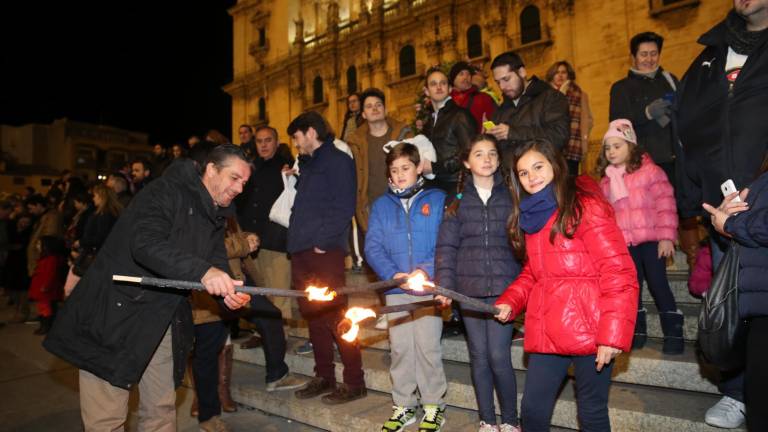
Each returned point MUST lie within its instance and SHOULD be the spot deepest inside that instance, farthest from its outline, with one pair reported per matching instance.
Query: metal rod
(374, 286)
(473, 303)
(188, 285)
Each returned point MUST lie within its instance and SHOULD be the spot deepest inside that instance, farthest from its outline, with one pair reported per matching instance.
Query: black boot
(641, 330)
(45, 325)
(672, 326)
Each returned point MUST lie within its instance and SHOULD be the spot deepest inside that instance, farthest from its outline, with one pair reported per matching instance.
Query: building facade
(34, 154)
(296, 55)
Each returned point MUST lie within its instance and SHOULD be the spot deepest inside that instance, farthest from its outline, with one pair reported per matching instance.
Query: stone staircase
(650, 392)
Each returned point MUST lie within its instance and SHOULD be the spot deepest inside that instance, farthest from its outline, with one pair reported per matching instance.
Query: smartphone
(728, 187)
(488, 125)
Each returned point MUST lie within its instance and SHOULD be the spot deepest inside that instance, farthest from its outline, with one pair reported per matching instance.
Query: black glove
(658, 109)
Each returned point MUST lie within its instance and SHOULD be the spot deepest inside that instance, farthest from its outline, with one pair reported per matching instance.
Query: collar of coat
(184, 175)
(532, 91)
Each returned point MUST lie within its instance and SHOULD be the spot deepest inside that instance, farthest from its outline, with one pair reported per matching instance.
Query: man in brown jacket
(366, 144)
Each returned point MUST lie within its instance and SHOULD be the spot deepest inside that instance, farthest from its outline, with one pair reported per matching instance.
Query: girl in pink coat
(644, 201)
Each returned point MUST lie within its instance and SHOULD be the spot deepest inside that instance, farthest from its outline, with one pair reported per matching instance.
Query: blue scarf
(536, 209)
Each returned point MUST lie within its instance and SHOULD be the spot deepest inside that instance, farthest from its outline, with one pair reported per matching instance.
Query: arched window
(407, 61)
(317, 90)
(351, 80)
(474, 41)
(530, 25)
(262, 109)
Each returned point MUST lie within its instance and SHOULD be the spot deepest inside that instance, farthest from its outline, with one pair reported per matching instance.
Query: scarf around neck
(738, 37)
(409, 191)
(536, 209)
(618, 187)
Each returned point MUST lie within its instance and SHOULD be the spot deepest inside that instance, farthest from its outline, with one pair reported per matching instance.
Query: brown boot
(689, 240)
(225, 377)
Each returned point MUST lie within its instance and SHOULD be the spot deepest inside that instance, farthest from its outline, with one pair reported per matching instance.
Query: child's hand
(443, 300)
(666, 248)
(400, 276)
(605, 354)
(505, 311)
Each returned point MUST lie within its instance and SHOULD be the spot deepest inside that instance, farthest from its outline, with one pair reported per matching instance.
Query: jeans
(654, 270)
(490, 361)
(209, 341)
(269, 324)
(546, 373)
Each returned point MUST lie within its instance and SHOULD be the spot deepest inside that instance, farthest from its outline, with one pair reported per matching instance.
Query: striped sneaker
(401, 417)
(433, 419)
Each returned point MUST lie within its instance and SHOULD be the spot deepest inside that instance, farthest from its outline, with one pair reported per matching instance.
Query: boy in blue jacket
(402, 233)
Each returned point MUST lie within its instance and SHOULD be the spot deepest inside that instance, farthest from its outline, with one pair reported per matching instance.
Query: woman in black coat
(747, 223)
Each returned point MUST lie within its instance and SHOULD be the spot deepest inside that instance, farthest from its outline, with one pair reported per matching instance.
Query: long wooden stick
(374, 286)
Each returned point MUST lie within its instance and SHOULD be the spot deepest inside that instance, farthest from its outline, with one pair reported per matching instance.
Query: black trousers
(756, 375)
(209, 341)
(269, 324)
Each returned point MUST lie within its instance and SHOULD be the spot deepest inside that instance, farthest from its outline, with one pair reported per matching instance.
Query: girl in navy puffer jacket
(402, 232)
(474, 257)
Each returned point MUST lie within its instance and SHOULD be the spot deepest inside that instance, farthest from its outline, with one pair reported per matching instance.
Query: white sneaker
(485, 427)
(382, 323)
(728, 413)
(506, 427)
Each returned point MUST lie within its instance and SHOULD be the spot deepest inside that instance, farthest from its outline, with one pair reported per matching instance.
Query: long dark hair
(569, 208)
(465, 173)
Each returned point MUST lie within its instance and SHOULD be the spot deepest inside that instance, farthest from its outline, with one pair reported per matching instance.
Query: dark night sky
(156, 67)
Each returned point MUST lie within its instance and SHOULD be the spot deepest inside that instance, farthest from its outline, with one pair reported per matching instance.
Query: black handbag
(721, 330)
(84, 260)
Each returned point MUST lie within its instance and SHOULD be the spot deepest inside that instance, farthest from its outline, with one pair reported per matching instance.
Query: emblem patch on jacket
(191, 212)
(425, 210)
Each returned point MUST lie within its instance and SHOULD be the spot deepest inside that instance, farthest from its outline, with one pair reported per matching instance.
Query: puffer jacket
(578, 293)
(649, 212)
(397, 242)
(750, 230)
(473, 252)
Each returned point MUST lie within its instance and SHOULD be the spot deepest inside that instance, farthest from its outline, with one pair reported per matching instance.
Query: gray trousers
(417, 361)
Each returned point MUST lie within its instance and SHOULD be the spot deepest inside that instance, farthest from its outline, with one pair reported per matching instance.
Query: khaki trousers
(275, 271)
(104, 407)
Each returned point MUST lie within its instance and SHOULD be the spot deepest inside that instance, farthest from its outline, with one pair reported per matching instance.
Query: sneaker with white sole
(506, 427)
(728, 413)
(401, 417)
(433, 420)
(382, 323)
(305, 348)
(485, 427)
(287, 382)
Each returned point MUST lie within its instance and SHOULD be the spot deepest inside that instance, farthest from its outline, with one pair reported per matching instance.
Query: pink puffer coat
(649, 212)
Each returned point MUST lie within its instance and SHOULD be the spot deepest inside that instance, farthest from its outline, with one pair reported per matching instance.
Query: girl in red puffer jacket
(644, 201)
(578, 286)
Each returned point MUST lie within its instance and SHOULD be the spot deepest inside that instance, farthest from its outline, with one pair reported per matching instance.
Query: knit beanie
(621, 128)
(457, 68)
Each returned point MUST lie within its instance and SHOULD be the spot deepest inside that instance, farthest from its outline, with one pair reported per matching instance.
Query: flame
(320, 294)
(418, 282)
(355, 315)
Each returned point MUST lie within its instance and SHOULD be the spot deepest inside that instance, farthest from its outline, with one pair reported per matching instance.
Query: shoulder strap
(403, 132)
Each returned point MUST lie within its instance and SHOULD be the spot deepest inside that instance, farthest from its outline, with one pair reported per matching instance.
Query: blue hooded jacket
(397, 242)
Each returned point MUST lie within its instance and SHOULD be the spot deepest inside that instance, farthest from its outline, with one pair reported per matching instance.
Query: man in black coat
(119, 334)
(531, 110)
(645, 98)
(722, 107)
(253, 208)
(450, 129)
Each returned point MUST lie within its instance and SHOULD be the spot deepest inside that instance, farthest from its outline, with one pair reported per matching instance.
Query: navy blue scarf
(536, 209)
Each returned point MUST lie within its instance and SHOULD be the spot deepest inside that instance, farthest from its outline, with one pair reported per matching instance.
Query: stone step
(679, 286)
(363, 415)
(632, 407)
(647, 366)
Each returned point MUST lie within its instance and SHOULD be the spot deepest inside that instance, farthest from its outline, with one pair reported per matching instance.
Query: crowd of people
(483, 197)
